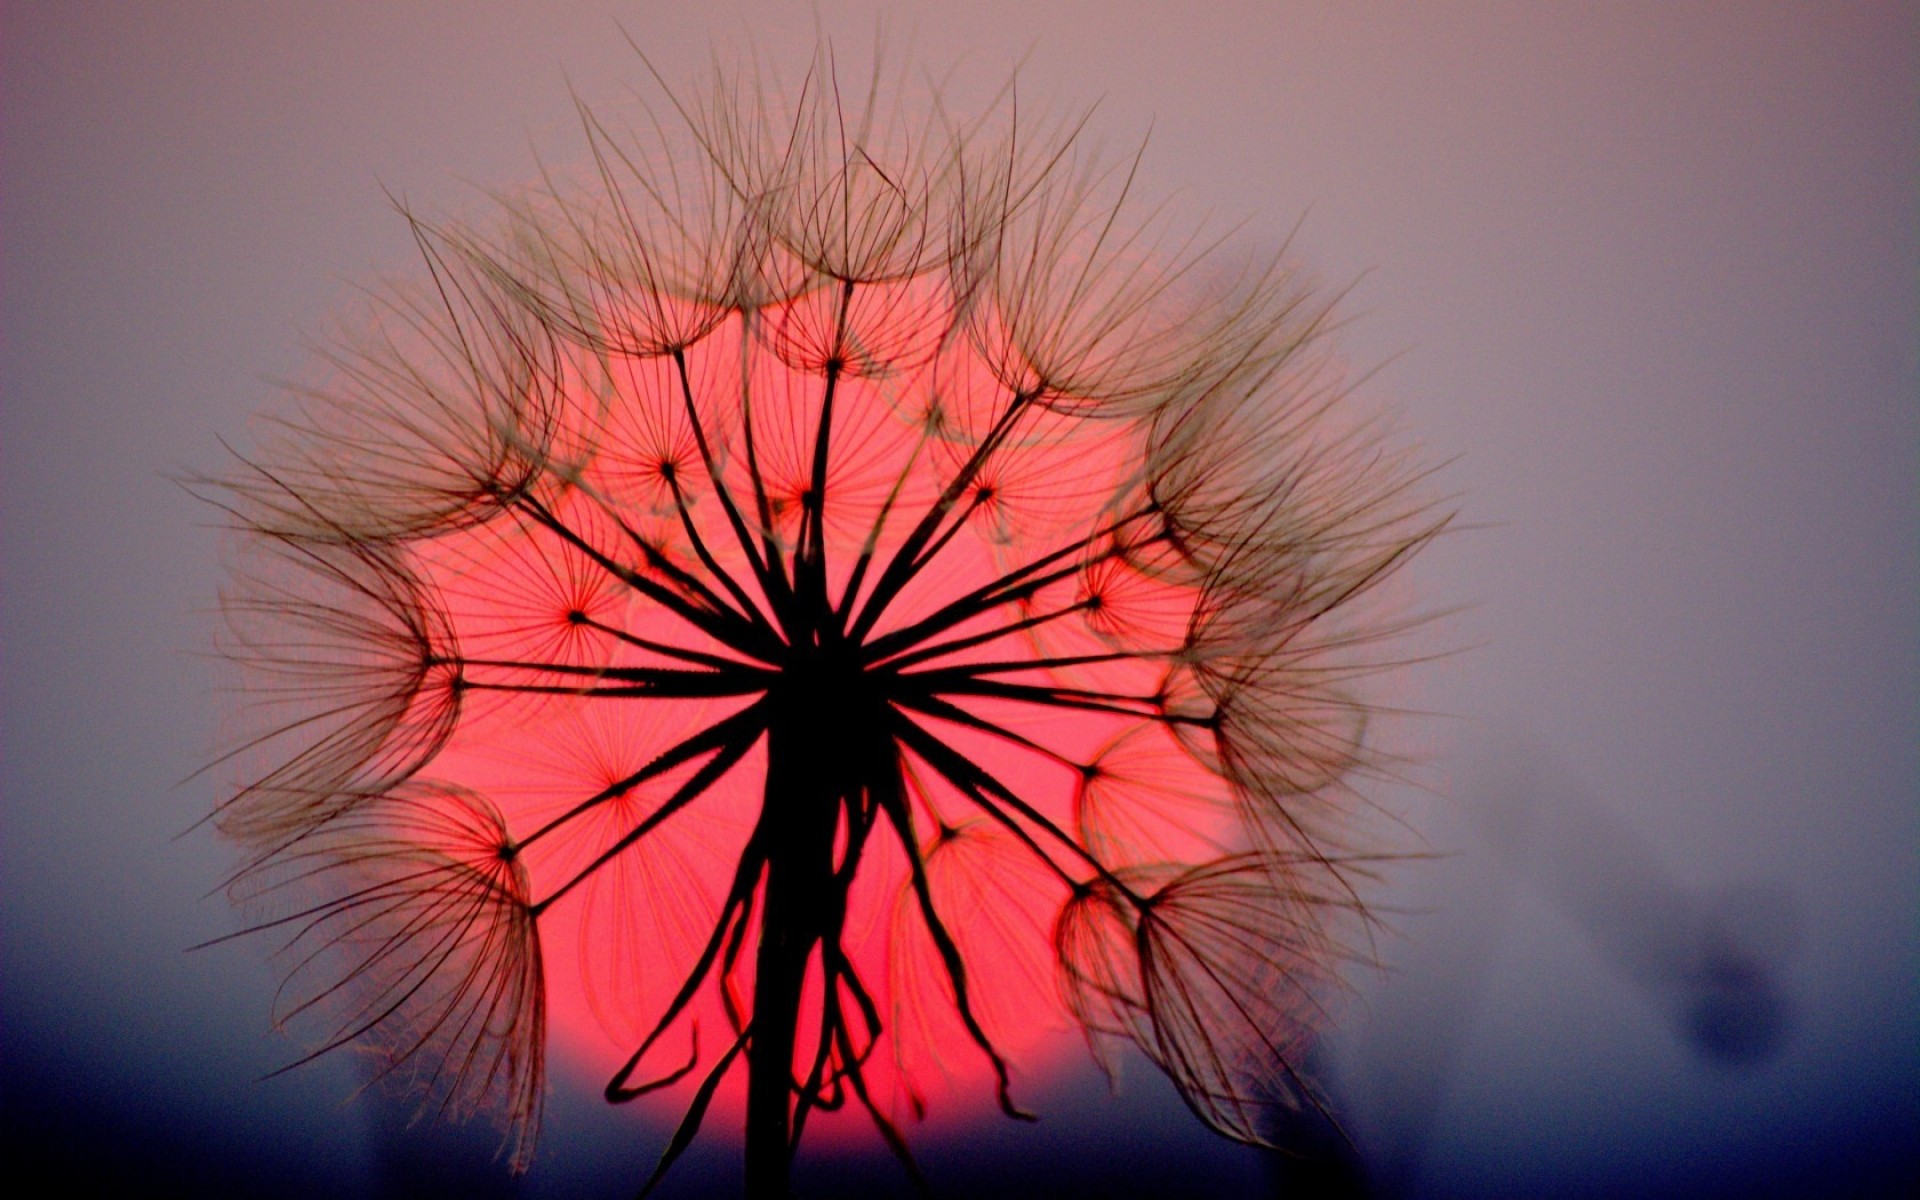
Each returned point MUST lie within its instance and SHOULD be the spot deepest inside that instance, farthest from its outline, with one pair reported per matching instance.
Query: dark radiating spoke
(940, 649)
(734, 915)
(689, 1127)
(811, 553)
(926, 680)
(682, 578)
(934, 706)
(810, 1092)
(892, 800)
(669, 650)
(1008, 588)
(889, 1132)
(823, 1087)
(712, 618)
(744, 606)
(999, 802)
(962, 683)
(955, 522)
(762, 509)
(733, 679)
(616, 692)
(899, 570)
(773, 588)
(748, 723)
(850, 594)
(722, 762)
(698, 595)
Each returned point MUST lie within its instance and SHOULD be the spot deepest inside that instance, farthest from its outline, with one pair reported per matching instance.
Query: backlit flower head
(820, 594)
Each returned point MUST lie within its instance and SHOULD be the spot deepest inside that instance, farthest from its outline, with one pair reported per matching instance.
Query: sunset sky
(1645, 278)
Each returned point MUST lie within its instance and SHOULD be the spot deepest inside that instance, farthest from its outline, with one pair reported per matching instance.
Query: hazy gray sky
(1644, 275)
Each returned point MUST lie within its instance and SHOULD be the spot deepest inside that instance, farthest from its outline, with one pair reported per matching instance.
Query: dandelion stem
(813, 771)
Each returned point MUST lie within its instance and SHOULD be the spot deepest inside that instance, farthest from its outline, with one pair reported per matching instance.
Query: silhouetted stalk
(801, 812)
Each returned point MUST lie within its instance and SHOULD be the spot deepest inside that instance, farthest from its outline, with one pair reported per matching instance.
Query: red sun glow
(526, 598)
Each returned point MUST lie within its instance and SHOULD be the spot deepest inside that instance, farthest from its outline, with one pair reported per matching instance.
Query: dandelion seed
(831, 588)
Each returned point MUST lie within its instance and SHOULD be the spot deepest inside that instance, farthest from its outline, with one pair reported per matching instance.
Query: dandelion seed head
(828, 593)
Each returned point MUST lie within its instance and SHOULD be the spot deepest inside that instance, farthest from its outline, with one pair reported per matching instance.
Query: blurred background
(1644, 275)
